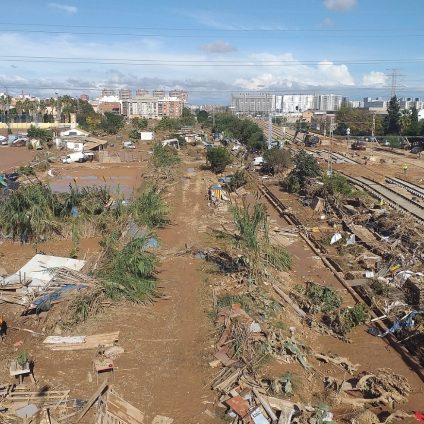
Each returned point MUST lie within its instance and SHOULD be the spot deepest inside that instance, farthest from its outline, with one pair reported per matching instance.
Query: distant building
(294, 103)
(142, 92)
(124, 94)
(106, 92)
(112, 107)
(357, 104)
(179, 94)
(84, 97)
(152, 107)
(375, 105)
(328, 102)
(109, 104)
(170, 106)
(410, 102)
(253, 103)
(159, 93)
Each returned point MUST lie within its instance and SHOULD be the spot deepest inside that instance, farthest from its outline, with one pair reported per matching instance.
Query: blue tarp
(408, 321)
(43, 303)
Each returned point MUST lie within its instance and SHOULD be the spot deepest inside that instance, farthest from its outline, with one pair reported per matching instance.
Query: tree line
(397, 122)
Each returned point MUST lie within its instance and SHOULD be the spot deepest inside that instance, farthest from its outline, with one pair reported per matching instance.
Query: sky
(348, 47)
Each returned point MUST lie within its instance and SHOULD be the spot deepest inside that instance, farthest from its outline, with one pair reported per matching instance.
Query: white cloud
(374, 79)
(218, 47)
(204, 81)
(340, 5)
(327, 23)
(294, 74)
(70, 10)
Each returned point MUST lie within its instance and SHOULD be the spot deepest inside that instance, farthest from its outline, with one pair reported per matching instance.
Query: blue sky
(212, 48)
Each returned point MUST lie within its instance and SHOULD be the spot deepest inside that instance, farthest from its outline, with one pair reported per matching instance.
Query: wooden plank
(93, 398)
(91, 342)
(357, 282)
(123, 410)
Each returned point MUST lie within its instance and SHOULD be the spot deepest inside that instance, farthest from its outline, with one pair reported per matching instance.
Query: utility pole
(394, 75)
(270, 131)
(373, 134)
(330, 152)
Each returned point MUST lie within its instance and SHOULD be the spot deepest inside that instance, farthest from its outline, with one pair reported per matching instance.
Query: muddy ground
(169, 343)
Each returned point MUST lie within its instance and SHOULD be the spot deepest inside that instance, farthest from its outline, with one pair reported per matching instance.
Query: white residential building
(294, 103)
(328, 102)
(253, 103)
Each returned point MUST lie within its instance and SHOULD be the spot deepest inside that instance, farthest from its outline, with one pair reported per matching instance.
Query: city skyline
(345, 47)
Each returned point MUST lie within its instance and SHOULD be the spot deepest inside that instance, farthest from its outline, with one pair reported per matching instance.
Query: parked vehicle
(417, 149)
(311, 140)
(78, 157)
(128, 145)
(359, 145)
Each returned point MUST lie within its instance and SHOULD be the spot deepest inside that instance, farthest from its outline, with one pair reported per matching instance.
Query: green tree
(306, 166)
(133, 134)
(202, 117)
(358, 120)
(404, 120)
(139, 123)
(111, 123)
(276, 160)
(40, 134)
(414, 126)
(187, 118)
(218, 159)
(392, 120)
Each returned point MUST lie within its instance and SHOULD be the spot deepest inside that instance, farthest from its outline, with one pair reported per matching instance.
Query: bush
(323, 298)
(164, 157)
(337, 184)
(291, 184)
(276, 160)
(348, 318)
(238, 180)
(218, 158)
(150, 209)
(133, 134)
(130, 272)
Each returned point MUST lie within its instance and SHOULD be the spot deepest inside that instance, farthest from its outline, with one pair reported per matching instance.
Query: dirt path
(164, 368)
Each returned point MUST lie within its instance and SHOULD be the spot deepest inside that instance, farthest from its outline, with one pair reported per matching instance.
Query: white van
(78, 157)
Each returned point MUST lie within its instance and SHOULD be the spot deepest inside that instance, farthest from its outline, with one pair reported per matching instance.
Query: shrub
(348, 318)
(336, 184)
(238, 180)
(291, 184)
(322, 298)
(164, 156)
(150, 209)
(276, 160)
(218, 158)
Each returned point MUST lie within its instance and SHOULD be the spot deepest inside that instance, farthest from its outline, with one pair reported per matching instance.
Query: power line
(160, 62)
(128, 34)
(185, 29)
(208, 91)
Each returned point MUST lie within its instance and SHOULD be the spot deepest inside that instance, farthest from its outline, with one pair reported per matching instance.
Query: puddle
(117, 185)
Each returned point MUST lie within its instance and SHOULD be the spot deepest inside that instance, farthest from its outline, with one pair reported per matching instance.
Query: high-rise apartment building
(253, 103)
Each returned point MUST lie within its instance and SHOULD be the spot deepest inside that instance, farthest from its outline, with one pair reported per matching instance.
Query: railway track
(391, 197)
(395, 200)
(412, 188)
(357, 294)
